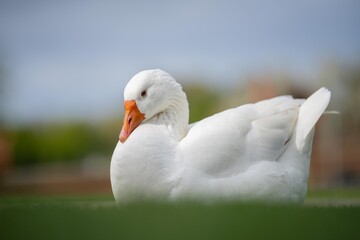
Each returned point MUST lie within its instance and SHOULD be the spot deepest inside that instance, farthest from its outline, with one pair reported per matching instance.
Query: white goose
(256, 151)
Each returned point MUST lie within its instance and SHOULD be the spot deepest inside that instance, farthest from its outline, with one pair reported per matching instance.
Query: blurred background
(64, 65)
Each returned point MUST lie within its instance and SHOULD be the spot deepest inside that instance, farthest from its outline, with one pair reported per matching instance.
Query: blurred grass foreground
(98, 218)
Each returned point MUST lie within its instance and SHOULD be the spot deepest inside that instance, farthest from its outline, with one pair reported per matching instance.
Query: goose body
(257, 151)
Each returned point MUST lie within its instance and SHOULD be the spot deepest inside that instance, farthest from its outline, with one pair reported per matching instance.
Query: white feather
(309, 114)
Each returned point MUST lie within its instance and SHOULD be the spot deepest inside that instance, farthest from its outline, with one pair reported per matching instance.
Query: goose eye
(143, 93)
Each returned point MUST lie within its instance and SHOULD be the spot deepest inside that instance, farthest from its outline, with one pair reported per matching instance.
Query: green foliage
(65, 142)
(202, 101)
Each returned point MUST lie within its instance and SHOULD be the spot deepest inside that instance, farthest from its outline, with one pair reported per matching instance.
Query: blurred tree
(60, 143)
(202, 101)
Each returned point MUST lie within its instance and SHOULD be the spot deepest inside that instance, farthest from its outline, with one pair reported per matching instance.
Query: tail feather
(309, 113)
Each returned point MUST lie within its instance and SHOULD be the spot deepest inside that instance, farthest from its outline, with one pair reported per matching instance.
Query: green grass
(97, 217)
(337, 193)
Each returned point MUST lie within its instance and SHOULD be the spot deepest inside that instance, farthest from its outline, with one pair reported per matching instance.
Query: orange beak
(132, 119)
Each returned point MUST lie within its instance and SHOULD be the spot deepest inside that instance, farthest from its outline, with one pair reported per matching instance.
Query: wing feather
(227, 143)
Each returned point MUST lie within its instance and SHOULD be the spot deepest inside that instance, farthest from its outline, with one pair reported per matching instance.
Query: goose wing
(229, 142)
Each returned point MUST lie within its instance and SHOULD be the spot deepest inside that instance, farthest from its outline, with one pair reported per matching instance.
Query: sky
(72, 59)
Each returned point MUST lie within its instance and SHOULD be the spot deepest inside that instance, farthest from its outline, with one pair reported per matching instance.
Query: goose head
(154, 96)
